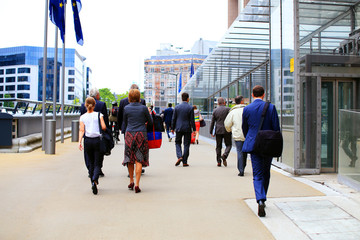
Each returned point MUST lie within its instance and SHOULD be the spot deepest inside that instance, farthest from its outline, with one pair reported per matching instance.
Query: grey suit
(217, 120)
(183, 123)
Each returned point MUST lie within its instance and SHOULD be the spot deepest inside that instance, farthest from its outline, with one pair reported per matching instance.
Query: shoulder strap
(263, 114)
(100, 130)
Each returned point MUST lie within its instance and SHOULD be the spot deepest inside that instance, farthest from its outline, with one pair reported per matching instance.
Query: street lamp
(174, 74)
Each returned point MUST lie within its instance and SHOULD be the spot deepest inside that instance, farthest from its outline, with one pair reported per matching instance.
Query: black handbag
(202, 123)
(158, 124)
(106, 140)
(268, 143)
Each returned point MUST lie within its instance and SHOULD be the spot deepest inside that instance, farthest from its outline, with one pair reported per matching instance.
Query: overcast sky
(118, 34)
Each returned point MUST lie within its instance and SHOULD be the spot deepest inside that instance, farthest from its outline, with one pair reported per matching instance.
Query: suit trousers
(178, 140)
(261, 175)
(92, 149)
(228, 144)
(168, 129)
(241, 157)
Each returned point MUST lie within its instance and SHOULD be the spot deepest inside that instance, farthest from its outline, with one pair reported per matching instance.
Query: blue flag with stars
(180, 83)
(192, 68)
(76, 6)
(56, 14)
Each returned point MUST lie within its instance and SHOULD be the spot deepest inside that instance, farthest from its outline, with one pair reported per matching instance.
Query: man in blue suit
(261, 165)
(183, 123)
(168, 113)
(99, 107)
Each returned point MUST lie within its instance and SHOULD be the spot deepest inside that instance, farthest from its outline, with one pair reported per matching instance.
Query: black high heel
(94, 188)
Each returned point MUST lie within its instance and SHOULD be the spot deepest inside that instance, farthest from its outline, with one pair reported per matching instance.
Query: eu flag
(76, 6)
(56, 9)
(180, 83)
(192, 68)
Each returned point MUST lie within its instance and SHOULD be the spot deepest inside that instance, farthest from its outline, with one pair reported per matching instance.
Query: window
(1, 71)
(71, 97)
(1, 88)
(10, 71)
(23, 79)
(1, 80)
(288, 98)
(71, 89)
(162, 92)
(10, 88)
(288, 90)
(71, 80)
(23, 95)
(23, 70)
(289, 81)
(162, 84)
(71, 72)
(23, 87)
(10, 79)
(1, 95)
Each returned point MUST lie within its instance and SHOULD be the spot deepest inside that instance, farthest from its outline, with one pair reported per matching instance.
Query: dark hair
(258, 91)
(90, 103)
(134, 95)
(170, 105)
(238, 99)
(195, 107)
(184, 96)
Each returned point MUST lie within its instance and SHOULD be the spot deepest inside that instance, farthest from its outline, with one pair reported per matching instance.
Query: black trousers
(228, 144)
(178, 140)
(87, 158)
(92, 150)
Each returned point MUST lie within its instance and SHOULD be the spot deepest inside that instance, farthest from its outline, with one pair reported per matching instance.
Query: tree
(106, 96)
(8, 103)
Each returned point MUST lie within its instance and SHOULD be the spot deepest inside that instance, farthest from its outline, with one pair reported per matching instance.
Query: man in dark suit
(183, 123)
(250, 124)
(218, 117)
(168, 113)
(99, 107)
(123, 103)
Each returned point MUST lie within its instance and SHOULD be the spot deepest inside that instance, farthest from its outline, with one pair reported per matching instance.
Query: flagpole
(44, 74)
(55, 74)
(63, 80)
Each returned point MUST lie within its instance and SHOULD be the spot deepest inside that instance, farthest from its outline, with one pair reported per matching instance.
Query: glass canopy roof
(243, 48)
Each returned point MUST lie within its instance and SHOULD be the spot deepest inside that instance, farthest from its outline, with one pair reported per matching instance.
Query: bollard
(50, 136)
(75, 130)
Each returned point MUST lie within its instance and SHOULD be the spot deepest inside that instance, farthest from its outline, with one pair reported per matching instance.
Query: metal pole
(63, 82)
(176, 83)
(44, 74)
(55, 73)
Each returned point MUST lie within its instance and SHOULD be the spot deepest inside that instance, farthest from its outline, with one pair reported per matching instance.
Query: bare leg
(138, 172)
(131, 172)
(197, 135)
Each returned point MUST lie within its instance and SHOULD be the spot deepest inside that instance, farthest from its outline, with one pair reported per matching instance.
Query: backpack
(114, 111)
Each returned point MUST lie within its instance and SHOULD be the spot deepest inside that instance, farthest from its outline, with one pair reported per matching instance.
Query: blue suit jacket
(183, 118)
(99, 107)
(251, 121)
(168, 113)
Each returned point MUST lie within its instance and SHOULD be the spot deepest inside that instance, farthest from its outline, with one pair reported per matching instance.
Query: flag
(56, 9)
(192, 68)
(76, 6)
(180, 83)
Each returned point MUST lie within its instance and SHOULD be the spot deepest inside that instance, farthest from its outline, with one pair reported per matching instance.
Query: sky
(118, 34)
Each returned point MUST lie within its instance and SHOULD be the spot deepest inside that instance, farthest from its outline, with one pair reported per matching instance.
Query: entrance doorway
(336, 94)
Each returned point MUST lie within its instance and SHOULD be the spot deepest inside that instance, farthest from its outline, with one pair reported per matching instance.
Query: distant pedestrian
(198, 117)
(99, 107)
(251, 122)
(233, 124)
(89, 126)
(217, 120)
(183, 124)
(113, 119)
(168, 113)
(136, 153)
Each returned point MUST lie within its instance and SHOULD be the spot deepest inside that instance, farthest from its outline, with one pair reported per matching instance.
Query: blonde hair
(90, 103)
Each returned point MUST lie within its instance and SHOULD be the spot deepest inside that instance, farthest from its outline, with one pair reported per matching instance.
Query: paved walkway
(50, 197)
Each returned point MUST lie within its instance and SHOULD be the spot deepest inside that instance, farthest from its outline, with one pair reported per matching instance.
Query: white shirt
(91, 122)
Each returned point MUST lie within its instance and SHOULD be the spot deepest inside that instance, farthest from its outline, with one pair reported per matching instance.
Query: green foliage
(8, 104)
(76, 101)
(106, 96)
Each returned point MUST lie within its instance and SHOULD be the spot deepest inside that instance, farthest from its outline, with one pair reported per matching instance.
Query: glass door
(336, 94)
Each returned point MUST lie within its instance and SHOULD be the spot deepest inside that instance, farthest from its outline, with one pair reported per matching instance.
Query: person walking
(89, 126)
(233, 124)
(136, 151)
(168, 113)
(250, 125)
(113, 119)
(218, 118)
(183, 123)
(198, 117)
(101, 108)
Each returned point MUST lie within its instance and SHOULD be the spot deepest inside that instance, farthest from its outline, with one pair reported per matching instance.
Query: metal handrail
(24, 106)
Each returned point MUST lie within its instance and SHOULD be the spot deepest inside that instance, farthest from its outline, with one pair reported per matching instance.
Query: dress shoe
(185, 165)
(225, 163)
(137, 189)
(131, 186)
(241, 174)
(261, 209)
(219, 164)
(101, 174)
(94, 188)
(197, 141)
(142, 170)
(178, 162)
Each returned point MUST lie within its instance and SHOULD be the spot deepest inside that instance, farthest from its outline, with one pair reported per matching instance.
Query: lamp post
(174, 74)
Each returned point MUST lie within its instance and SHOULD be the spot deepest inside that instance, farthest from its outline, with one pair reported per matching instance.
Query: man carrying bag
(261, 164)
